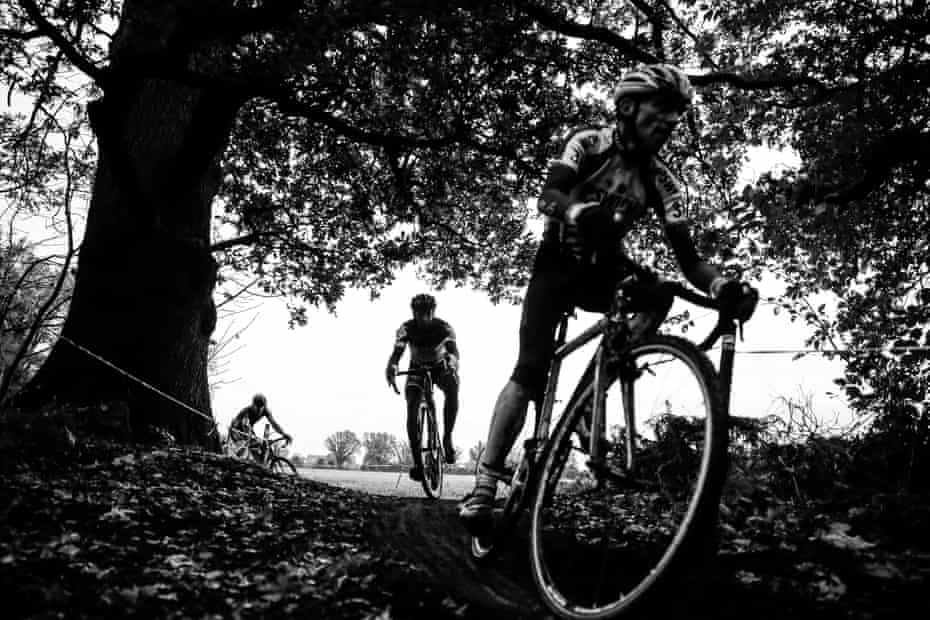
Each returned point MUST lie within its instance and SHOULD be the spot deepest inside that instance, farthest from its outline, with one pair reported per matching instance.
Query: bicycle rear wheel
(280, 465)
(605, 537)
(431, 449)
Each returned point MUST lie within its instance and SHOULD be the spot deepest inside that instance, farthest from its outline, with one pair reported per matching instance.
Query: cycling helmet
(259, 400)
(655, 79)
(423, 303)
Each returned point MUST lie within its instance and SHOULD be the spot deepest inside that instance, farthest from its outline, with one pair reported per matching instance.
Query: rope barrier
(833, 351)
(208, 418)
(141, 382)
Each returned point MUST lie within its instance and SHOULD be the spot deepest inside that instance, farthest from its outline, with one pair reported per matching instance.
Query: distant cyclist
(432, 345)
(240, 429)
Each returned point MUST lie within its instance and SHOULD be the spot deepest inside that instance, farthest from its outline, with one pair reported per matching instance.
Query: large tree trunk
(143, 293)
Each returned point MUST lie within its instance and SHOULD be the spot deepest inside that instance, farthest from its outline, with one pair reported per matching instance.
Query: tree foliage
(34, 293)
(380, 448)
(852, 219)
(343, 446)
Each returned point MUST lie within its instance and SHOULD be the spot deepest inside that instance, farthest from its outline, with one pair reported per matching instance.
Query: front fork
(607, 363)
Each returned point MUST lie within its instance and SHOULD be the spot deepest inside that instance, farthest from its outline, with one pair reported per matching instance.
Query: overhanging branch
(750, 83)
(70, 51)
(21, 35)
(560, 24)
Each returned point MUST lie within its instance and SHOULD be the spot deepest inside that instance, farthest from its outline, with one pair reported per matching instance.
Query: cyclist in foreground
(604, 180)
(432, 345)
(240, 429)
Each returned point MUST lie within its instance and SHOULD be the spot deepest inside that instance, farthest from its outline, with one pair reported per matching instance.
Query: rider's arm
(241, 419)
(554, 200)
(274, 423)
(239, 424)
(396, 353)
(400, 343)
(452, 349)
(669, 204)
(698, 272)
(563, 175)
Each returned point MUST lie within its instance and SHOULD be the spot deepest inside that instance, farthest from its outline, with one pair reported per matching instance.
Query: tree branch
(550, 19)
(71, 53)
(747, 83)
(684, 28)
(226, 244)
(9, 33)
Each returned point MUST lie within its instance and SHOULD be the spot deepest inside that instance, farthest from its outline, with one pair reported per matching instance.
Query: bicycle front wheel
(605, 535)
(431, 449)
(280, 465)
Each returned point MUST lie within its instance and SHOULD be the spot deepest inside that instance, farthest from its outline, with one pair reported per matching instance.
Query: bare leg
(506, 423)
(450, 410)
(413, 406)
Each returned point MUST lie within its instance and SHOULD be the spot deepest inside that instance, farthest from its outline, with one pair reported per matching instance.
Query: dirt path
(764, 585)
(428, 533)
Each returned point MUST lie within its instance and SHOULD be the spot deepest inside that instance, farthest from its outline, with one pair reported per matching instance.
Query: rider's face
(655, 121)
(422, 316)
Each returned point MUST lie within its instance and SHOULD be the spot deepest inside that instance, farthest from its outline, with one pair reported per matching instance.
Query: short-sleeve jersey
(604, 175)
(247, 417)
(427, 342)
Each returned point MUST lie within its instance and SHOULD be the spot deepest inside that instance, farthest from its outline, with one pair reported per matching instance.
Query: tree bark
(143, 292)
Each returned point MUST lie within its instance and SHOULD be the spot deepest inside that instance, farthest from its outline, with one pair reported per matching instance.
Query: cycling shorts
(558, 285)
(445, 378)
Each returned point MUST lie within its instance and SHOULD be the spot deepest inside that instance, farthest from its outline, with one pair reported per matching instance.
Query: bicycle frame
(614, 323)
(426, 373)
(428, 430)
(266, 445)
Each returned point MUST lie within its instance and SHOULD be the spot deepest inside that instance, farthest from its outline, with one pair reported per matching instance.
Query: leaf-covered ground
(96, 529)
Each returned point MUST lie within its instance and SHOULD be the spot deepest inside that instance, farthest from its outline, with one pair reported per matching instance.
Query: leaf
(117, 514)
(126, 459)
(883, 570)
(830, 587)
(838, 537)
(178, 560)
(747, 577)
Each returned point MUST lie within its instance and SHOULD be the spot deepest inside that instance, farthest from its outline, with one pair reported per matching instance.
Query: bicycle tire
(609, 564)
(432, 452)
(280, 465)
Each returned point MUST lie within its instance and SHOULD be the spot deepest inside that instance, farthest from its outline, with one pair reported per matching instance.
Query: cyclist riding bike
(432, 345)
(604, 181)
(240, 429)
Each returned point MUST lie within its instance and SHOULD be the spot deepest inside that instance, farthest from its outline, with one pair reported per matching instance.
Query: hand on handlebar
(391, 374)
(737, 299)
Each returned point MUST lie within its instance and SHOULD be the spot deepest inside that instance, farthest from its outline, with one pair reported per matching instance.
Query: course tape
(145, 384)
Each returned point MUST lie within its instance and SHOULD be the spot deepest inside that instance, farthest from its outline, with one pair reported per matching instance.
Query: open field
(388, 483)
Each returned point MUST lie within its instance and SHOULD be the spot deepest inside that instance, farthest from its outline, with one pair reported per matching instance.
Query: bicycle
(263, 451)
(591, 554)
(430, 445)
